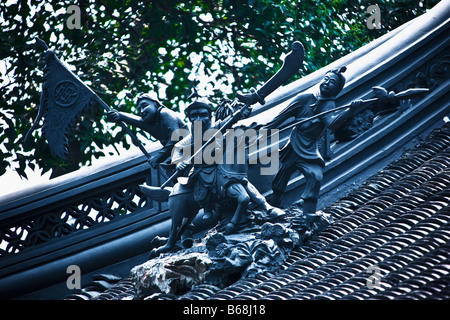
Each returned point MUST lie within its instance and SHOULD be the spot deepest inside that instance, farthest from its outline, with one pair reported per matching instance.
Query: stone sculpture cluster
(250, 234)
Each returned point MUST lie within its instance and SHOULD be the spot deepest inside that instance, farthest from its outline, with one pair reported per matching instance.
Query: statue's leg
(257, 198)
(187, 236)
(183, 209)
(209, 212)
(281, 180)
(237, 191)
(313, 177)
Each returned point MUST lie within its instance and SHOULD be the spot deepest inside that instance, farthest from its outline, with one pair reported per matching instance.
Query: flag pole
(124, 127)
(101, 103)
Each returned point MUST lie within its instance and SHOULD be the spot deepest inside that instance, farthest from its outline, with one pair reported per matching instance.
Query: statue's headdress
(339, 72)
(198, 103)
(148, 96)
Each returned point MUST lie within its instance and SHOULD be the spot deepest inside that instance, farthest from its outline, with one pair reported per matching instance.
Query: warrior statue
(208, 183)
(302, 150)
(313, 114)
(160, 122)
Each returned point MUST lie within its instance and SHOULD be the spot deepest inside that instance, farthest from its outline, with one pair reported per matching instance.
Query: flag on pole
(64, 98)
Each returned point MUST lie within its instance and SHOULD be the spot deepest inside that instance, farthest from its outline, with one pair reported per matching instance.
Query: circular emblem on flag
(65, 93)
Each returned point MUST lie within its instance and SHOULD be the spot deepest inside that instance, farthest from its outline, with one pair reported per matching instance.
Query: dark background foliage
(132, 46)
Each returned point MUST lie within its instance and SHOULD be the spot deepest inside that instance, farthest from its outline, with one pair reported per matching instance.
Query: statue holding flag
(160, 122)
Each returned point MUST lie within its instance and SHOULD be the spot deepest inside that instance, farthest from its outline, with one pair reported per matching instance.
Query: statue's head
(148, 104)
(199, 111)
(332, 83)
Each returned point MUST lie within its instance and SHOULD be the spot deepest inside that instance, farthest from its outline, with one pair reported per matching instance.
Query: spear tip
(412, 93)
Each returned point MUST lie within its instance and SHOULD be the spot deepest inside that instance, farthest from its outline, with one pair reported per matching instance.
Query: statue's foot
(312, 221)
(187, 238)
(157, 251)
(299, 204)
(230, 228)
(187, 242)
(312, 218)
(305, 220)
(158, 242)
(275, 213)
(153, 254)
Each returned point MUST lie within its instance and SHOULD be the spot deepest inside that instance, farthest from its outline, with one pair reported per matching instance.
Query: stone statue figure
(203, 178)
(313, 114)
(160, 122)
(301, 152)
(207, 184)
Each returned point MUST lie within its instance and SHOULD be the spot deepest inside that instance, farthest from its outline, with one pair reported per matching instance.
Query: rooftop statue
(210, 186)
(160, 122)
(65, 97)
(302, 150)
(313, 114)
(210, 183)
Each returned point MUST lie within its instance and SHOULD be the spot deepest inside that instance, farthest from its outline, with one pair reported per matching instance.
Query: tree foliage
(164, 46)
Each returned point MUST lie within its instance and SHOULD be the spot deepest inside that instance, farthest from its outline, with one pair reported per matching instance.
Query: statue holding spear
(313, 114)
(204, 181)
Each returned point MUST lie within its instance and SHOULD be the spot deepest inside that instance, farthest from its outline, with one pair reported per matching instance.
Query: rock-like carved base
(261, 245)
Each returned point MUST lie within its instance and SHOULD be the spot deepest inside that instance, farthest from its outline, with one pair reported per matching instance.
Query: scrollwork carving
(80, 215)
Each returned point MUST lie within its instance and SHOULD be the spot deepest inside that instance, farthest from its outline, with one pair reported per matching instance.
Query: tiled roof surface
(398, 221)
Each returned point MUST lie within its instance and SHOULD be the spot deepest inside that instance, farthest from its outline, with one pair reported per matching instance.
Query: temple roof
(390, 236)
(390, 240)
(397, 220)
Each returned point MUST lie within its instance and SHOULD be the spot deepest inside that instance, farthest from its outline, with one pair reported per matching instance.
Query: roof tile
(398, 220)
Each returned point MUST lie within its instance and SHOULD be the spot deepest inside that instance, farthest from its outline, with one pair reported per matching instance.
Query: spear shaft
(408, 94)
